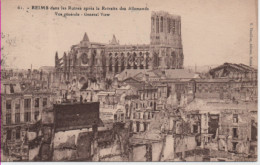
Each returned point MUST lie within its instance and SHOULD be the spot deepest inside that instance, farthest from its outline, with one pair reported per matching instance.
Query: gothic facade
(89, 59)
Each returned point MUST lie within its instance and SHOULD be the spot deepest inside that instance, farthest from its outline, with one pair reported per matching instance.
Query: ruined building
(91, 59)
(21, 108)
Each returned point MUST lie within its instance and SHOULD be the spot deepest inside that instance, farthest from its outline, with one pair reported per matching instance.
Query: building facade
(20, 109)
(229, 81)
(90, 59)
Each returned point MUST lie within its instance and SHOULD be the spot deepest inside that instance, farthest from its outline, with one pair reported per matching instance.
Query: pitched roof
(176, 73)
(169, 73)
(133, 79)
(140, 75)
(216, 80)
(142, 86)
(217, 106)
(237, 67)
(130, 73)
(247, 67)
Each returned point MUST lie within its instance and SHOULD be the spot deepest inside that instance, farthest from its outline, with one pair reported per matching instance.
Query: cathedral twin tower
(91, 59)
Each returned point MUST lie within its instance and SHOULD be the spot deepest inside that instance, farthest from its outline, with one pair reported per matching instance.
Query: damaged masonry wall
(79, 145)
(236, 126)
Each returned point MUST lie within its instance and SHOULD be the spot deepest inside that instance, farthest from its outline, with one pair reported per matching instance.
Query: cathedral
(98, 60)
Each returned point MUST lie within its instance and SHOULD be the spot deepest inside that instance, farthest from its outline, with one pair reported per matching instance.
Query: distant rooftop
(217, 105)
(236, 67)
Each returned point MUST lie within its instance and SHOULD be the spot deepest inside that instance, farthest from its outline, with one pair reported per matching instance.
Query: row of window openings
(143, 105)
(145, 116)
(27, 104)
(11, 88)
(212, 86)
(122, 67)
(138, 127)
(27, 117)
(209, 90)
(16, 134)
(119, 118)
(154, 96)
(220, 87)
(170, 25)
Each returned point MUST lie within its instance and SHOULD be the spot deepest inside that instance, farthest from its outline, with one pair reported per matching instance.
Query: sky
(213, 31)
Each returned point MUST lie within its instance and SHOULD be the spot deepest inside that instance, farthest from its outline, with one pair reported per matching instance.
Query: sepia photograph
(129, 81)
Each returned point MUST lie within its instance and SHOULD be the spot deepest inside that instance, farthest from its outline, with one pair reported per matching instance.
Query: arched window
(161, 27)
(84, 58)
(156, 59)
(126, 110)
(134, 60)
(147, 60)
(116, 63)
(122, 62)
(141, 58)
(110, 62)
(179, 28)
(93, 58)
(153, 24)
(128, 60)
(115, 117)
(173, 57)
(145, 127)
(173, 28)
(169, 25)
(157, 25)
(137, 126)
